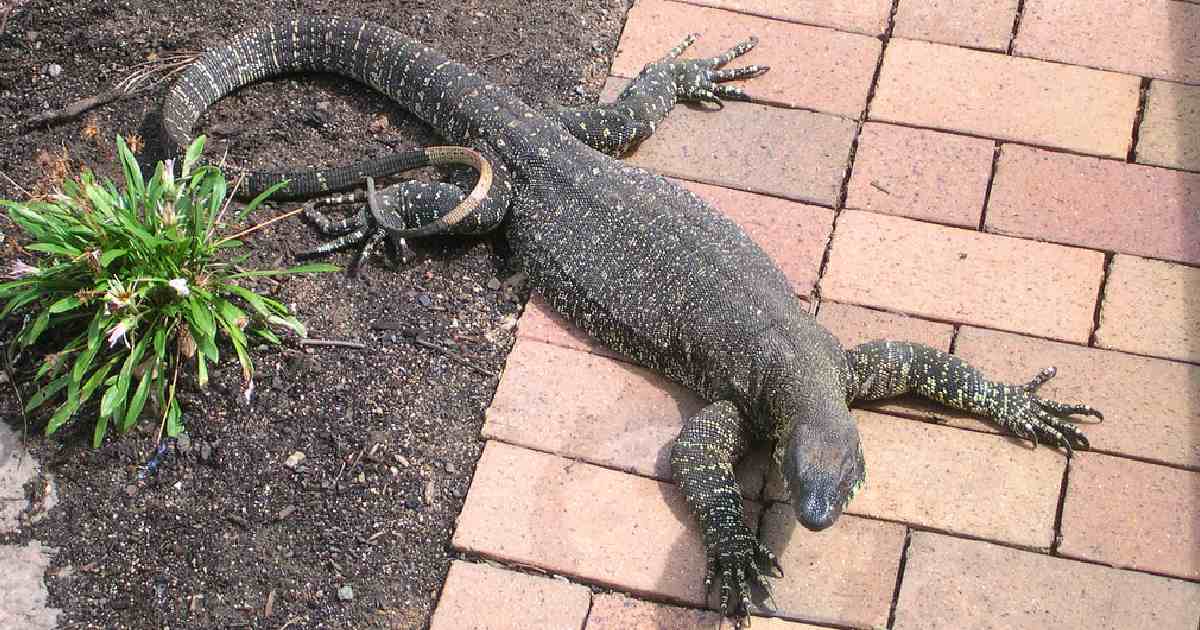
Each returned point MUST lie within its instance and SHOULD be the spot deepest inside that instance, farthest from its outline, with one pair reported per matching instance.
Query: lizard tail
(369, 53)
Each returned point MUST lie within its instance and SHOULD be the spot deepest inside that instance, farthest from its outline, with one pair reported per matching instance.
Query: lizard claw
(1032, 417)
(736, 560)
(701, 79)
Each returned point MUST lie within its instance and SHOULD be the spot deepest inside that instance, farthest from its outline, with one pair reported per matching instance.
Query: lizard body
(640, 263)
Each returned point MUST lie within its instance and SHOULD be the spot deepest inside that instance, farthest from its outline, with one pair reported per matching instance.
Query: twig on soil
(453, 357)
(16, 185)
(341, 470)
(164, 68)
(290, 622)
(261, 225)
(357, 345)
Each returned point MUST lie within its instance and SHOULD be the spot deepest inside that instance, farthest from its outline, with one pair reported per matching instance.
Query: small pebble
(294, 460)
(346, 593)
(54, 70)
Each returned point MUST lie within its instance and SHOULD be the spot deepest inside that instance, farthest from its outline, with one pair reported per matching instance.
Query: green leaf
(36, 329)
(192, 155)
(126, 373)
(95, 330)
(174, 426)
(41, 395)
(22, 299)
(68, 303)
(137, 402)
(261, 197)
(133, 172)
(110, 255)
(316, 267)
(60, 417)
(228, 315)
(109, 401)
(256, 301)
(267, 334)
(290, 322)
(100, 430)
(202, 371)
(51, 248)
(160, 343)
(202, 319)
(207, 345)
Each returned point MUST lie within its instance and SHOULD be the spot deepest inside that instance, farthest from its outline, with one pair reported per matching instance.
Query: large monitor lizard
(640, 263)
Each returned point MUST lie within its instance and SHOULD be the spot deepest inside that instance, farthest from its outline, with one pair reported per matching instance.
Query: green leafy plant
(136, 281)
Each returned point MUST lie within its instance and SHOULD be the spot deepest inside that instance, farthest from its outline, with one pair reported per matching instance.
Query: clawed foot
(362, 228)
(735, 560)
(703, 79)
(1037, 419)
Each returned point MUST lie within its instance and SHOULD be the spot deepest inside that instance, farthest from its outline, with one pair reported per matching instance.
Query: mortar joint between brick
(987, 192)
(1138, 117)
(891, 622)
(1012, 38)
(825, 257)
(1058, 512)
(1099, 308)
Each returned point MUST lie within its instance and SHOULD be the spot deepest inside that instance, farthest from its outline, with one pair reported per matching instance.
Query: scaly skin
(644, 266)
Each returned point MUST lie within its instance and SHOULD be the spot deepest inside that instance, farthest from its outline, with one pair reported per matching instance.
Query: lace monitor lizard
(641, 264)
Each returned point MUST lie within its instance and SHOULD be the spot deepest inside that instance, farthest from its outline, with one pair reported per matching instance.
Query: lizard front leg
(616, 128)
(880, 369)
(416, 208)
(702, 461)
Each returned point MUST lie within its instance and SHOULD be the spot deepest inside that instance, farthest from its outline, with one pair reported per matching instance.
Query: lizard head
(823, 467)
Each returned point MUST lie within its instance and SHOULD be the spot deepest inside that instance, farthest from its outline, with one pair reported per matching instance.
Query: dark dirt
(226, 529)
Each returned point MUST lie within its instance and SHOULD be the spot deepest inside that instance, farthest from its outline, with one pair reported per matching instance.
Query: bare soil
(225, 533)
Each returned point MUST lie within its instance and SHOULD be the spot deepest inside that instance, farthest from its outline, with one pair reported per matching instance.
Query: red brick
(813, 68)
(1101, 204)
(541, 323)
(1171, 126)
(982, 24)
(994, 95)
(860, 16)
(794, 235)
(959, 481)
(596, 409)
(785, 153)
(480, 597)
(588, 407)
(922, 174)
(1132, 514)
(954, 583)
(771, 623)
(844, 575)
(854, 325)
(605, 527)
(1155, 38)
(963, 276)
(619, 612)
(1151, 307)
(1151, 406)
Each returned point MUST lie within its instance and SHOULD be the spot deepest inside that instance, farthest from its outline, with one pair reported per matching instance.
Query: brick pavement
(1022, 190)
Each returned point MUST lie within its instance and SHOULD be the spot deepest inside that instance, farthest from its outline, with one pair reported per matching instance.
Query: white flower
(118, 332)
(117, 297)
(181, 286)
(20, 269)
